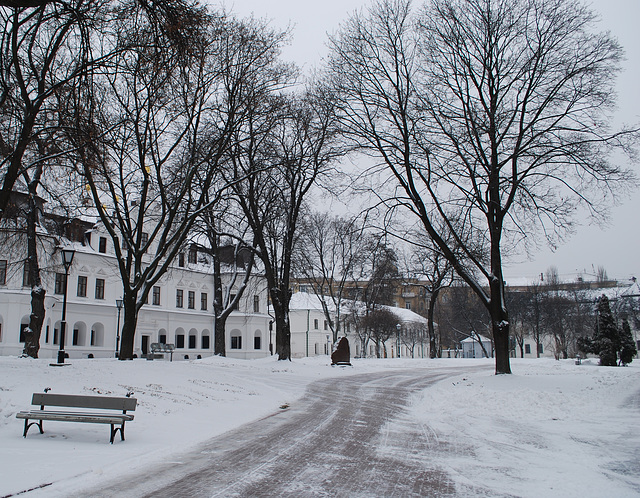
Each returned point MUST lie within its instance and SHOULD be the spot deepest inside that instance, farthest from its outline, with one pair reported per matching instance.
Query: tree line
(485, 124)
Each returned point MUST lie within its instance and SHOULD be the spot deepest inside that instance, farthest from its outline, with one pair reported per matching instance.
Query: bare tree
(494, 110)
(43, 52)
(382, 325)
(278, 158)
(152, 145)
(225, 232)
(179, 20)
(326, 256)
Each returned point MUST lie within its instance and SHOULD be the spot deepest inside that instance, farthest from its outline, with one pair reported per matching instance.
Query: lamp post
(119, 306)
(67, 259)
(398, 328)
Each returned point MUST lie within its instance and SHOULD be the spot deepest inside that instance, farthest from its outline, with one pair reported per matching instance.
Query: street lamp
(398, 328)
(119, 306)
(67, 259)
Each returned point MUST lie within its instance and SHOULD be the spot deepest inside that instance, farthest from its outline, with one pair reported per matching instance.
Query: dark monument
(342, 355)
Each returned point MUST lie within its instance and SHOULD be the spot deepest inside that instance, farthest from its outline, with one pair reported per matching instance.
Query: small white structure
(472, 348)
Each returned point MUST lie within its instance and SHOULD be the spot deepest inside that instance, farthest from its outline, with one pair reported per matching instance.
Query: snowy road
(343, 438)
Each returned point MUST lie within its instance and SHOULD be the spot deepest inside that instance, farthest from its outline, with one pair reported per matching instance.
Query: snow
(550, 429)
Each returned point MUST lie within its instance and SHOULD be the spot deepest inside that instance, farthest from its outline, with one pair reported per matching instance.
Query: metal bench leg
(27, 425)
(116, 429)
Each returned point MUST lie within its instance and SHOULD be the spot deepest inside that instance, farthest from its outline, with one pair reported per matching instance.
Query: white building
(312, 336)
(179, 309)
(472, 347)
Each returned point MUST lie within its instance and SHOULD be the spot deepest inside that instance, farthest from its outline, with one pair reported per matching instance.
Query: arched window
(97, 335)
(236, 339)
(257, 340)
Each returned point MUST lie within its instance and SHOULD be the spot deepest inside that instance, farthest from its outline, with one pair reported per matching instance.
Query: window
(26, 280)
(82, 286)
(326, 325)
(23, 332)
(156, 296)
(527, 349)
(193, 255)
(540, 349)
(407, 305)
(231, 299)
(56, 336)
(180, 341)
(203, 301)
(93, 338)
(191, 300)
(162, 338)
(59, 287)
(102, 245)
(236, 342)
(257, 342)
(76, 335)
(3, 271)
(99, 288)
(179, 299)
(205, 342)
(46, 335)
(315, 324)
(144, 239)
(192, 342)
(181, 260)
(256, 305)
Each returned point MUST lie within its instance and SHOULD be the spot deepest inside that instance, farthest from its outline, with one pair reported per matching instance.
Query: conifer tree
(627, 345)
(606, 340)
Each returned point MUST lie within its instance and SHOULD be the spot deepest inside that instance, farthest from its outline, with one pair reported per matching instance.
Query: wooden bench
(159, 347)
(116, 420)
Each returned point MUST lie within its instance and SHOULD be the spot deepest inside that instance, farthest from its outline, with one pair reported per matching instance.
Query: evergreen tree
(627, 345)
(606, 340)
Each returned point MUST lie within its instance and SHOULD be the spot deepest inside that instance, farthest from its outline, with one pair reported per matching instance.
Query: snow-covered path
(341, 439)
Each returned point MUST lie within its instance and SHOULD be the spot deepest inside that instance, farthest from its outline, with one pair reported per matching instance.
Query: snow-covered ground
(550, 429)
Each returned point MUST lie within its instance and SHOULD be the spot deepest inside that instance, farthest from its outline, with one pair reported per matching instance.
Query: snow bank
(550, 429)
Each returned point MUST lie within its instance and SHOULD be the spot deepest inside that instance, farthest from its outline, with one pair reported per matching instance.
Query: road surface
(346, 437)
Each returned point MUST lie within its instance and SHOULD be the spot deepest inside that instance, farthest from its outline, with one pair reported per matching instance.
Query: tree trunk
(32, 336)
(280, 300)
(433, 348)
(127, 339)
(219, 335)
(219, 326)
(500, 327)
(283, 334)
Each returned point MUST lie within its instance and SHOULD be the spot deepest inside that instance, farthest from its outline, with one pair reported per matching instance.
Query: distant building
(472, 347)
(312, 336)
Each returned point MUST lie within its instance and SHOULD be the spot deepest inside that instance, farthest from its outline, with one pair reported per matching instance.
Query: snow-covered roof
(308, 301)
(474, 338)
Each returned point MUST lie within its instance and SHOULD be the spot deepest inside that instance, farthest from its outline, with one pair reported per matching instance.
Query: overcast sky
(616, 248)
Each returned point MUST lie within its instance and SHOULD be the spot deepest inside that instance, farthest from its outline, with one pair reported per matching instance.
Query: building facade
(179, 308)
(312, 336)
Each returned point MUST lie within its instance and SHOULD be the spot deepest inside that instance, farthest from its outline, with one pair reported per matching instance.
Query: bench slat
(55, 415)
(82, 401)
(75, 417)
